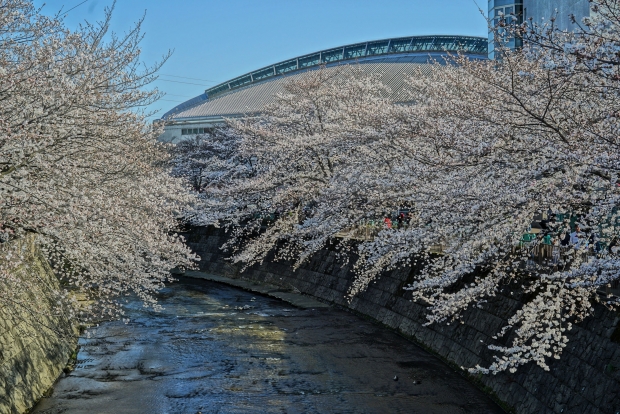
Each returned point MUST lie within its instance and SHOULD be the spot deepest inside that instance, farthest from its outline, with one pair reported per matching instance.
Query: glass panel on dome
(218, 89)
(422, 45)
(332, 55)
(400, 45)
(287, 66)
(241, 81)
(352, 52)
(263, 73)
(310, 60)
(377, 48)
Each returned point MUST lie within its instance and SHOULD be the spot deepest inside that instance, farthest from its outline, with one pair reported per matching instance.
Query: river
(219, 349)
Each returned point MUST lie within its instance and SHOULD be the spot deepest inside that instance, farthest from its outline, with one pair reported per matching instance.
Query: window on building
(191, 131)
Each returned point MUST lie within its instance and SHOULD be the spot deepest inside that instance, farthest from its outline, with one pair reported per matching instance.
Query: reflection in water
(217, 349)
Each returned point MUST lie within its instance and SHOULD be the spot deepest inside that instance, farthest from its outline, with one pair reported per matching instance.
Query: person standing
(388, 222)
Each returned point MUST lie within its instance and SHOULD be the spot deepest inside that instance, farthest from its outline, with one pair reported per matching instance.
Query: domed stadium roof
(391, 59)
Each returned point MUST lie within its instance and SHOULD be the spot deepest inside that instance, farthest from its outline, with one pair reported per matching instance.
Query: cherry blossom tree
(478, 151)
(293, 176)
(503, 142)
(211, 160)
(79, 165)
(500, 146)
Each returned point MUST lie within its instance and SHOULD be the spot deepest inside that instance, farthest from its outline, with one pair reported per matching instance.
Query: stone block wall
(585, 380)
(34, 348)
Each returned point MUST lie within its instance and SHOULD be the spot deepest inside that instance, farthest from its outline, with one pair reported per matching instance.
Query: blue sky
(214, 41)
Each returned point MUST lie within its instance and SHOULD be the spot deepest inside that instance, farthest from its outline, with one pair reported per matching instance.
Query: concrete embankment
(35, 341)
(585, 380)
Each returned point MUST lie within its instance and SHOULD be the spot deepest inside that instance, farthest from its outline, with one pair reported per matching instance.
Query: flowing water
(218, 349)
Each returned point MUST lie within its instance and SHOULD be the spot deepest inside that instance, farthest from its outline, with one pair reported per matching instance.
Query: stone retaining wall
(585, 380)
(33, 348)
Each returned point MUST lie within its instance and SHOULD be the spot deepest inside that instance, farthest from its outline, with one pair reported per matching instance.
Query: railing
(553, 257)
(414, 44)
(362, 232)
(559, 257)
(368, 231)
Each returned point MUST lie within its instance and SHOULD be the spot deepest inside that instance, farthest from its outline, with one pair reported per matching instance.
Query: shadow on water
(217, 349)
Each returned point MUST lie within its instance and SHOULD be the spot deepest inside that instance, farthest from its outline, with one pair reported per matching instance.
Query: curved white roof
(393, 60)
(251, 99)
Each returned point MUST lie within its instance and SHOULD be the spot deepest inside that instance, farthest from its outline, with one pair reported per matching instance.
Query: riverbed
(219, 349)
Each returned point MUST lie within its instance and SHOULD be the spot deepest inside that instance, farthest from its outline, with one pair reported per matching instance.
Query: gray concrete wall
(171, 134)
(585, 380)
(560, 9)
(173, 131)
(34, 348)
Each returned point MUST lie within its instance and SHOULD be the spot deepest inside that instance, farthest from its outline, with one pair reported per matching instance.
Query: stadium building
(393, 60)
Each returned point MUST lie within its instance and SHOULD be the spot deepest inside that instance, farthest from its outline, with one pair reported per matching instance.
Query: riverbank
(35, 341)
(267, 289)
(585, 380)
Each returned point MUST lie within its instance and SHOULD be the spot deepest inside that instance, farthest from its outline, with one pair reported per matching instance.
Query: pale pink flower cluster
(476, 152)
(79, 164)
